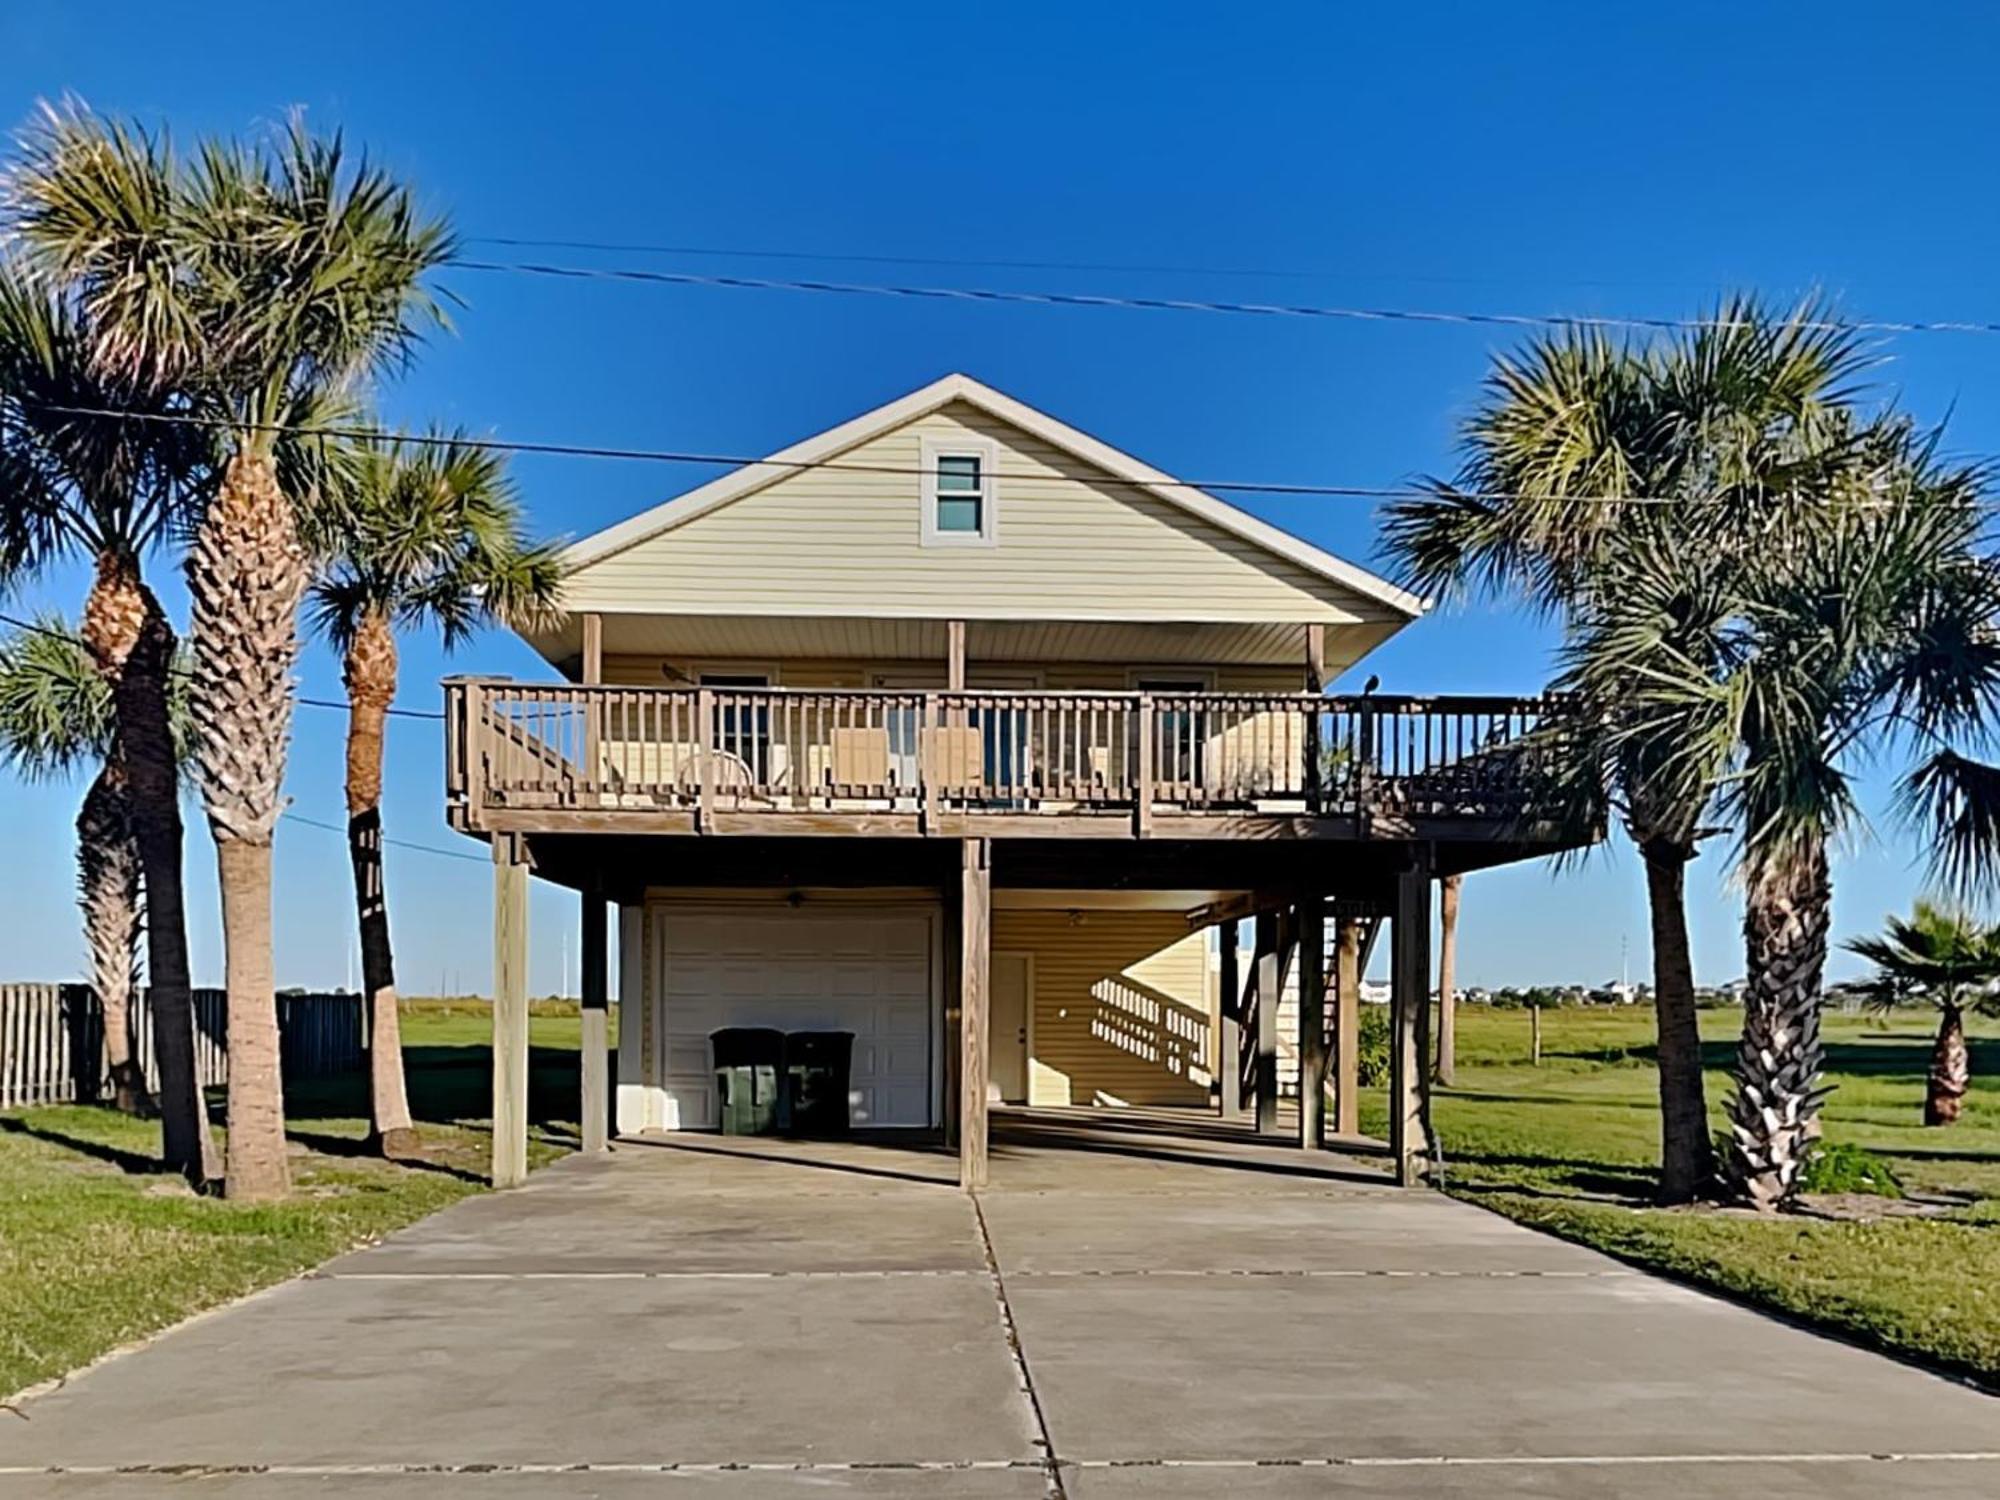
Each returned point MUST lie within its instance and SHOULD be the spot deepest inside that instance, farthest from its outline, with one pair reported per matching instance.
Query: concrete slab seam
(419, 1470)
(1044, 1439)
(1106, 1273)
(856, 1275)
(1166, 1273)
(1536, 1461)
(993, 1465)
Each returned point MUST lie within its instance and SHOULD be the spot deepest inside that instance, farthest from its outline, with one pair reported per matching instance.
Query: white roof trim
(956, 387)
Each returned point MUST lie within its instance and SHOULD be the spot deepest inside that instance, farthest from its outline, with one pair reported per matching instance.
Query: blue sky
(1527, 158)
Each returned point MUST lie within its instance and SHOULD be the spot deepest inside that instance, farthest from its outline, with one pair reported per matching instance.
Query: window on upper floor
(959, 500)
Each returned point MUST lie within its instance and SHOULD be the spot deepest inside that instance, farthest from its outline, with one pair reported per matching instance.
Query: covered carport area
(1314, 903)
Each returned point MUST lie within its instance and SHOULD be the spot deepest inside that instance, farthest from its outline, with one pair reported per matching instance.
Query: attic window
(958, 493)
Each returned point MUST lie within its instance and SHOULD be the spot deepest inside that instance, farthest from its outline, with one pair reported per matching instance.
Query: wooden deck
(533, 758)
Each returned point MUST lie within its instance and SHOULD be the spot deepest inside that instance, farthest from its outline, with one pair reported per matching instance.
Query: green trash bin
(817, 1065)
(749, 1074)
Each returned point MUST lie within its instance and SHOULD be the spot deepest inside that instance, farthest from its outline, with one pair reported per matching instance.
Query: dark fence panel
(52, 1040)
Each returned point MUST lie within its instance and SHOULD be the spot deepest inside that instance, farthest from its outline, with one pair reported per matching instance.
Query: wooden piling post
(510, 1010)
(975, 929)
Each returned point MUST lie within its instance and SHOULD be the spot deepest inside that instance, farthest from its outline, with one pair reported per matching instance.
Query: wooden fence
(52, 1040)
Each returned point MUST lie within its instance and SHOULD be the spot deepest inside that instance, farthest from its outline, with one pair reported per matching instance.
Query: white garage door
(864, 970)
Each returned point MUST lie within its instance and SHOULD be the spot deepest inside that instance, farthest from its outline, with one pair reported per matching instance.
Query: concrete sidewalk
(1172, 1314)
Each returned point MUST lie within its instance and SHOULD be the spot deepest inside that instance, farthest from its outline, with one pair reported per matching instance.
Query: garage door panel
(867, 973)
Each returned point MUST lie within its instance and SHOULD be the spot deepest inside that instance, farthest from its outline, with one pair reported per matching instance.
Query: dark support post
(510, 1010)
(1409, 1001)
(975, 927)
(596, 1083)
(1312, 1022)
(1229, 1031)
(1315, 685)
(1270, 989)
(1347, 1028)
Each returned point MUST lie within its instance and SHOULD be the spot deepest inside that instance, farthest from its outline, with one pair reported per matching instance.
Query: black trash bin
(817, 1064)
(749, 1078)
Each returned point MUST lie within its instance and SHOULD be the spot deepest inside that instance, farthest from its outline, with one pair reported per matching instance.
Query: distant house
(954, 728)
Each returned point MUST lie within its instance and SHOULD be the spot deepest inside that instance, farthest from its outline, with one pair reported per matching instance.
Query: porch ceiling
(778, 637)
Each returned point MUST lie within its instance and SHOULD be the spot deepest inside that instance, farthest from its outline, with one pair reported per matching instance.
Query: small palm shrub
(1844, 1167)
(1373, 1062)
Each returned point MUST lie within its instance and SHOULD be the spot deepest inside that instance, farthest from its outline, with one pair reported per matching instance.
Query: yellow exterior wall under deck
(1123, 1012)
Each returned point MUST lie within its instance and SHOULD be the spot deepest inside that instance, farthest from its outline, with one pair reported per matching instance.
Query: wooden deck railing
(520, 747)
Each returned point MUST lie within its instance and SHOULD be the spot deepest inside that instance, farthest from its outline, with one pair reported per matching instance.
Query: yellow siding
(833, 541)
(1122, 1011)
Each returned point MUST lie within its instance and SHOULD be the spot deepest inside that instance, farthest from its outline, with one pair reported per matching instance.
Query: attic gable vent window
(959, 503)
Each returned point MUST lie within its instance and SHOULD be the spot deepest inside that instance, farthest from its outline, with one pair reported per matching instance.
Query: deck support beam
(974, 965)
(510, 1010)
(595, 1091)
(954, 660)
(1229, 1023)
(1409, 1003)
(1312, 1022)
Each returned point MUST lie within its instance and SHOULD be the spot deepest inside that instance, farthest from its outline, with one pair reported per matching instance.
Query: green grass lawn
(1569, 1147)
(98, 1248)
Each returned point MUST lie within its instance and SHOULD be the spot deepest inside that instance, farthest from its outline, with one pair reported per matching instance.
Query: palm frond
(55, 706)
(429, 534)
(1954, 803)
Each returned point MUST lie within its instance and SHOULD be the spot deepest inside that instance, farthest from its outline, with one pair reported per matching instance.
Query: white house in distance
(955, 728)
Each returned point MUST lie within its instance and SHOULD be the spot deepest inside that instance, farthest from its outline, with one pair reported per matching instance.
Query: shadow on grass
(1559, 1176)
(1903, 1051)
(133, 1163)
(1561, 1101)
(359, 1150)
(450, 1085)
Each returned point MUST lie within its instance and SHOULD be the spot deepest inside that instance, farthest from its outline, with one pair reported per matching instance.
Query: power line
(739, 252)
(399, 843)
(734, 460)
(73, 640)
(1197, 305)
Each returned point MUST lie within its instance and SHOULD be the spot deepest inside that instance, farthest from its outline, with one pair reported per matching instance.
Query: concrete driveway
(1163, 1314)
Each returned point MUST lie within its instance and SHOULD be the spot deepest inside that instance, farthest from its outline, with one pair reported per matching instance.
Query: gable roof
(830, 444)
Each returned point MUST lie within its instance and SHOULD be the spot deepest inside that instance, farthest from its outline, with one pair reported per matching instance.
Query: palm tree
(263, 282)
(57, 716)
(1941, 955)
(74, 482)
(1865, 623)
(1690, 431)
(431, 537)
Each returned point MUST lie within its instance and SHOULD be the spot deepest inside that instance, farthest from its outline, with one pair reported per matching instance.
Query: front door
(1011, 978)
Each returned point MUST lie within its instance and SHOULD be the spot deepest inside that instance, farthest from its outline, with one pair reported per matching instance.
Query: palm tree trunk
(108, 893)
(1951, 1070)
(247, 573)
(258, 1169)
(370, 673)
(1447, 1056)
(1687, 1159)
(1774, 1111)
(132, 642)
